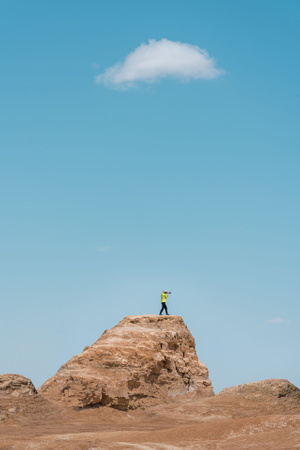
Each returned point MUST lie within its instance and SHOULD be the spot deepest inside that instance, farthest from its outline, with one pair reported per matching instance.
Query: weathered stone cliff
(142, 360)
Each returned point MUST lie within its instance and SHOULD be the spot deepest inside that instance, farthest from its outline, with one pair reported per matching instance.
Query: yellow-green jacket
(164, 297)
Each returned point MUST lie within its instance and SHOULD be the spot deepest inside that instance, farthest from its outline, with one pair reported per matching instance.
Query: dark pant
(164, 307)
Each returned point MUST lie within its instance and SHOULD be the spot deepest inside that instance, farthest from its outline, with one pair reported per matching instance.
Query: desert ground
(220, 422)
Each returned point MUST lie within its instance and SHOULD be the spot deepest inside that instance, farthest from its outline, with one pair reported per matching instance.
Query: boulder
(142, 360)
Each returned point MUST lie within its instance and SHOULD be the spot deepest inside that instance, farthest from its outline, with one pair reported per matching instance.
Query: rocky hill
(142, 360)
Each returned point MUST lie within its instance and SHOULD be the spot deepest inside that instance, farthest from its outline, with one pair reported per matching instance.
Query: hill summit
(142, 360)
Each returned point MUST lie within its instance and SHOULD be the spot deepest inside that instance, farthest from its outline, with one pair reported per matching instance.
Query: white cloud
(276, 320)
(105, 248)
(160, 59)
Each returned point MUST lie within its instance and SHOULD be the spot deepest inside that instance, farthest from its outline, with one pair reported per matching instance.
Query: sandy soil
(189, 422)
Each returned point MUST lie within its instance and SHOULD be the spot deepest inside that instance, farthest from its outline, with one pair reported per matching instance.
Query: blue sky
(111, 193)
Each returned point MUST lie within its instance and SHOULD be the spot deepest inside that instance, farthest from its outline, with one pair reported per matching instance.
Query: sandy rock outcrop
(272, 388)
(19, 400)
(143, 359)
(274, 393)
(16, 386)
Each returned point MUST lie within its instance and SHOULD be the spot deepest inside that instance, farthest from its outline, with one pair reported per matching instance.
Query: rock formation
(272, 388)
(16, 386)
(19, 400)
(275, 394)
(143, 359)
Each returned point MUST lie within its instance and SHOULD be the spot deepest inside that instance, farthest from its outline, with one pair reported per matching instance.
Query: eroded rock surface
(19, 400)
(272, 392)
(16, 385)
(143, 359)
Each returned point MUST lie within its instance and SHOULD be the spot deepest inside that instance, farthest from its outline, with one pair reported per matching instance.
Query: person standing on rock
(164, 296)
